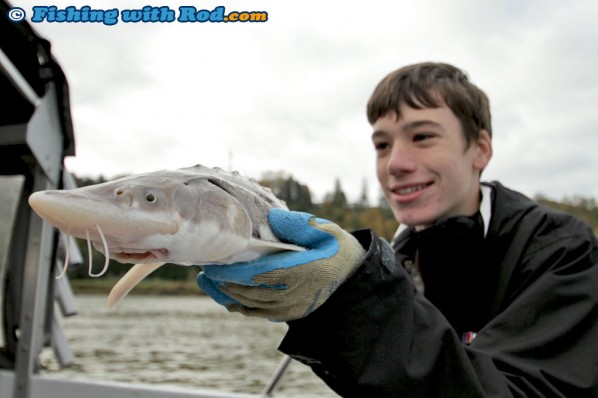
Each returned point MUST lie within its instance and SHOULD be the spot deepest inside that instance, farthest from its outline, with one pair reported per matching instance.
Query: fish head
(164, 216)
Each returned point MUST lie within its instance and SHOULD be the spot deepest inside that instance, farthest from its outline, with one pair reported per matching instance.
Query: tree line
(334, 207)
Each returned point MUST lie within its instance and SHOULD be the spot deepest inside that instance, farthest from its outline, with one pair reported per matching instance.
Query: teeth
(409, 190)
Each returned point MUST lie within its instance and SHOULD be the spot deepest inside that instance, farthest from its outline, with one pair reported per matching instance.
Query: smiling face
(425, 167)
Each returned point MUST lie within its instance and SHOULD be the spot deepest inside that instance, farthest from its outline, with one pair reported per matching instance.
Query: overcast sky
(289, 94)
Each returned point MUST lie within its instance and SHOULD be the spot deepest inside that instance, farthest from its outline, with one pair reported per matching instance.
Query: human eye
(423, 136)
(381, 146)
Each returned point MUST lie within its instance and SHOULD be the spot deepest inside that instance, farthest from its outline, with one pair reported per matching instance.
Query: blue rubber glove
(287, 285)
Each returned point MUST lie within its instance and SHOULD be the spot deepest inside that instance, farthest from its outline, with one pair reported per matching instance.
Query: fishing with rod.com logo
(146, 14)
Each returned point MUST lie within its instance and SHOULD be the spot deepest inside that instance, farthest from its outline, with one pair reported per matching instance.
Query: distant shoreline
(150, 286)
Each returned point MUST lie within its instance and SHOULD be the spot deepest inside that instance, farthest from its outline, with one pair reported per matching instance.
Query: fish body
(190, 216)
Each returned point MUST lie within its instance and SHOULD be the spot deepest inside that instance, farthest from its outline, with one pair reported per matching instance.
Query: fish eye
(151, 198)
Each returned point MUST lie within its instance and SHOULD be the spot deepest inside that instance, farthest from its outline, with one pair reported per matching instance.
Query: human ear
(483, 151)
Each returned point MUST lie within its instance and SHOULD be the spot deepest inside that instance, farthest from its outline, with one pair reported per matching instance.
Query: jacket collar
(485, 211)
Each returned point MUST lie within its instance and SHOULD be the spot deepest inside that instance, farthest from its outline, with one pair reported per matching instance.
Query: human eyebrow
(421, 123)
(379, 134)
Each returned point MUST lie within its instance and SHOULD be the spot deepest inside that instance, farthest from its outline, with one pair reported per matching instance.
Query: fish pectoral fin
(125, 284)
(265, 247)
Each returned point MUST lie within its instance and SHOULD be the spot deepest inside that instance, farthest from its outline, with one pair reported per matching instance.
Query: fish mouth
(136, 257)
(146, 261)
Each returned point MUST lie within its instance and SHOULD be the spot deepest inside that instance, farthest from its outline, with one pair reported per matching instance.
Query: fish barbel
(191, 216)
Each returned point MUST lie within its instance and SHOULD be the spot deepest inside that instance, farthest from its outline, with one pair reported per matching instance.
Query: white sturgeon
(190, 216)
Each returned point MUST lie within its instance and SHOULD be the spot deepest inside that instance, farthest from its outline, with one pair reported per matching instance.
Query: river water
(185, 341)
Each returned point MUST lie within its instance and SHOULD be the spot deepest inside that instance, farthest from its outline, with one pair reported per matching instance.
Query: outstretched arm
(376, 336)
(356, 319)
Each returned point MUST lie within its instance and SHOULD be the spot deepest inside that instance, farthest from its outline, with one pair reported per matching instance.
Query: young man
(483, 293)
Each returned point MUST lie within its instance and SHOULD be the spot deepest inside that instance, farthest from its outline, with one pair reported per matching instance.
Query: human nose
(401, 160)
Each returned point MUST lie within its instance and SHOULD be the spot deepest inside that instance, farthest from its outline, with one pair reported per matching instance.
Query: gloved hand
(287, 285)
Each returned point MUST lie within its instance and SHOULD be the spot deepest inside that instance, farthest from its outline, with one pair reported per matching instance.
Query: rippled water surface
(184, 341)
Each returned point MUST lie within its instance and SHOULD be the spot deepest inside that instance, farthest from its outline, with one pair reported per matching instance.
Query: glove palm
(287, 285)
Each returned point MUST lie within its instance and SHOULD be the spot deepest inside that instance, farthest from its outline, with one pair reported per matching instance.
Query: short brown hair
(428, 85)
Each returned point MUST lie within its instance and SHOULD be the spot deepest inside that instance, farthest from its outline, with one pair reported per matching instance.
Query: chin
(420, 221)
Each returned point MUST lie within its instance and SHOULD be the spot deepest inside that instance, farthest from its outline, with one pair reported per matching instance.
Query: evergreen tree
(335, 204)
(296, 195)
(364, 202)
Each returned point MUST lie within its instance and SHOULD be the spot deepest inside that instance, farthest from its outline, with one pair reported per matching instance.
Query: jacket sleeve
(376, 336)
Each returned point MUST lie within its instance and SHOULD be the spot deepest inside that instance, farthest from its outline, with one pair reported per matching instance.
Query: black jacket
(529, 289)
